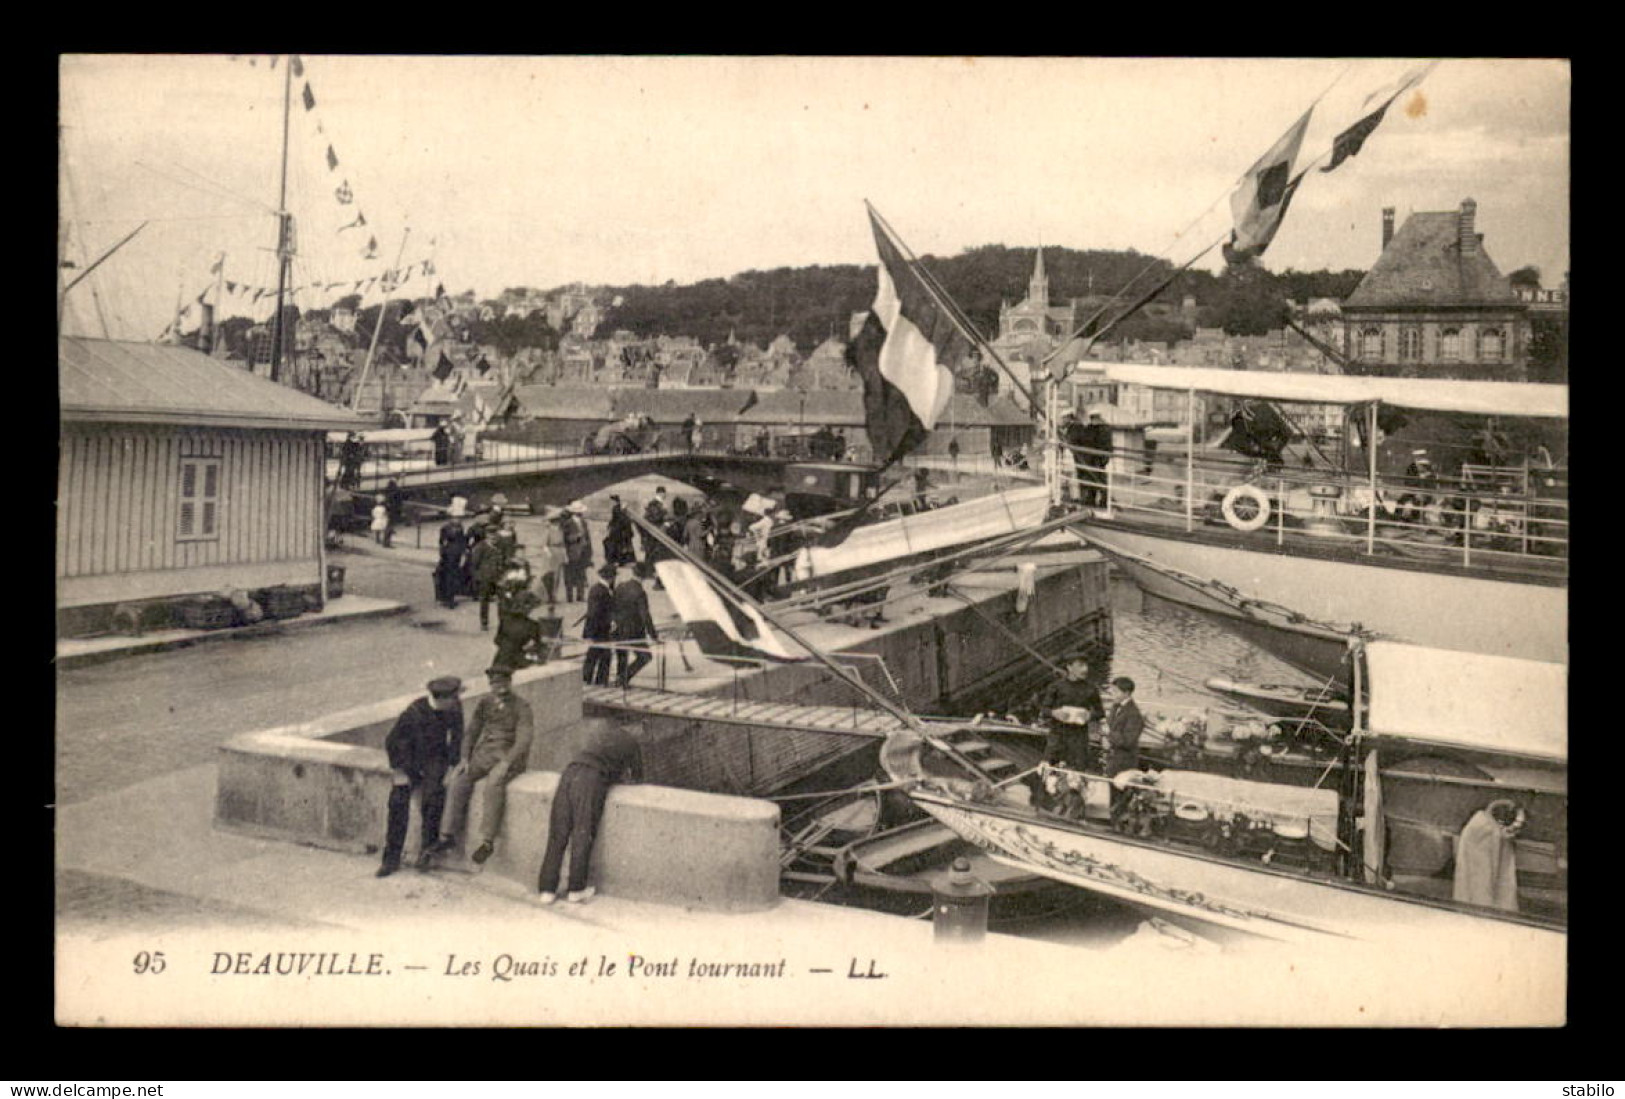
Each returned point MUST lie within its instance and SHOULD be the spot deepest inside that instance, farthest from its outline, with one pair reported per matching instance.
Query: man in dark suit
(633, 624)
(1124, 724)
(596, 627)
(426, 739)
(1096, 439)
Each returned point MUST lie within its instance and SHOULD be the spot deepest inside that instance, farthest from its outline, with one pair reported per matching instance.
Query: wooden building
(180, 475)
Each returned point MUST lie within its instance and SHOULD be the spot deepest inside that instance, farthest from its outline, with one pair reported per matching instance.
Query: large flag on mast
(1266, 191)
(903, 354)
(725, 628)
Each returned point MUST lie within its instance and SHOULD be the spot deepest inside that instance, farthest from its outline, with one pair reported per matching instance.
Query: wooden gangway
(844, 720)
(838, 720)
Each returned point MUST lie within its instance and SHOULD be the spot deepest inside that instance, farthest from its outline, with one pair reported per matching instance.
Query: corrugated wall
(118, 499)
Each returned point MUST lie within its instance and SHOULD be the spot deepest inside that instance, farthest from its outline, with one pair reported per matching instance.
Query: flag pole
(942, 298)
(383, 306)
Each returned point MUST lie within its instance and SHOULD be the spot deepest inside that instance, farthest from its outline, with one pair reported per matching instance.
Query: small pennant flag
(274, 57)
(309, 97)
(231, 287)
(332, 159)
(359, 222)
(296, 65)
(483, 365)
(725, 629)
(344, 194)
(443, 364)
(750, 403)
(371, 250)
(428, 265)
(1352, 140)
(219, 262)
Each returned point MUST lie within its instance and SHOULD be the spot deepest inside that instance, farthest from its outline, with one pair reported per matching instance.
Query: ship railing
(1489, 517)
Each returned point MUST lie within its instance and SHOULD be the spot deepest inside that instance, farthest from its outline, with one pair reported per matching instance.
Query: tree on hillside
(1527, 278)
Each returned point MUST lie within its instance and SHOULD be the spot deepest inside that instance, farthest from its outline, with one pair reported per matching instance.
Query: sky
(638, 170)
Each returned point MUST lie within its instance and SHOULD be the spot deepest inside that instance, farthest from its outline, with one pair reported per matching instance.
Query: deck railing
(1488, 517)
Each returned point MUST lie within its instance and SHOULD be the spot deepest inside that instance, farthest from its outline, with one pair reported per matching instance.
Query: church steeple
(1038, 288)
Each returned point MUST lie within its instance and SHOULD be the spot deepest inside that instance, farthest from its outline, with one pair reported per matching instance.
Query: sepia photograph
(811, 541)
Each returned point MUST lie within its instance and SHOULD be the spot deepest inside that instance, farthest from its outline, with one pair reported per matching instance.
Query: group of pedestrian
(431, 755)
(1091, 445)
(617, 621)
(448, 439)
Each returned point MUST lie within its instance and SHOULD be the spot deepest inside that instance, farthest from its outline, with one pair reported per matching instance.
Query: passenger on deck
(1068, 743)
(1124, 724)
(1486, 858)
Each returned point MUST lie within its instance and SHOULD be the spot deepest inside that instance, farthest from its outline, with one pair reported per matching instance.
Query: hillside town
(1433, 304)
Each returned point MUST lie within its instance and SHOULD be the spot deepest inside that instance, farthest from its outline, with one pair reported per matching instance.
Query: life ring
(1260, 507)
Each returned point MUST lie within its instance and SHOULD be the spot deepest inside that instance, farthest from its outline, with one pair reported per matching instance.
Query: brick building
(1435, 305)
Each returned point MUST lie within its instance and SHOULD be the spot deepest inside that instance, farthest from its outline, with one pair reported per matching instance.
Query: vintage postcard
(778, 541)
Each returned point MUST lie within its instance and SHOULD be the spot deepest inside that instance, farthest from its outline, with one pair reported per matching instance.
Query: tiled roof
(123, 382)
(564, 402)
(1423, 265)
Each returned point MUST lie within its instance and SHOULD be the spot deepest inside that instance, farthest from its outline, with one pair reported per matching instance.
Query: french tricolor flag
(905, 354)
(725, 629)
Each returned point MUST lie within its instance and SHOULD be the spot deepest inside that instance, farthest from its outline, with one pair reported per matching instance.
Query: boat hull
(1254, 590)
(1193, 886)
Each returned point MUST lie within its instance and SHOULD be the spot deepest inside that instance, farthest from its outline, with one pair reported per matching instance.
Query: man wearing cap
(424, 741)
(1124, 724)
(597, 626)
(496, 749)
(1070, 700)
(489, 560)
(520, 638)
(611, 755)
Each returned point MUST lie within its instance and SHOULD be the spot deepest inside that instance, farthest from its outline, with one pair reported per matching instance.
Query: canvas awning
(1434, 395)
(1468, 700)
(958, 525)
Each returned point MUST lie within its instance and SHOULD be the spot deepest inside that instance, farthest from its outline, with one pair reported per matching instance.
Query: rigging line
(1163, 255)
(204, 183)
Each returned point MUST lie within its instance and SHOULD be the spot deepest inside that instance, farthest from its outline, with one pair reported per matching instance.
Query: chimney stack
(1387, 226)
(1469, 239)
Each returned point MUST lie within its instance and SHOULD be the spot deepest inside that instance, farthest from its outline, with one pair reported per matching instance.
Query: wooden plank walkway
(843, 720)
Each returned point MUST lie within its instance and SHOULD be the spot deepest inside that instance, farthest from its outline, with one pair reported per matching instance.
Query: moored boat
(1474, 561)
(1450, 815)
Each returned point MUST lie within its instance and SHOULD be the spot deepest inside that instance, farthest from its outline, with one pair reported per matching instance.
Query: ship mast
(284, 245)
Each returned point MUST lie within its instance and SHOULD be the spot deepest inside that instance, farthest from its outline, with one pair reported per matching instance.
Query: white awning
(1491, 703)
(1435, 395)
(957, 525)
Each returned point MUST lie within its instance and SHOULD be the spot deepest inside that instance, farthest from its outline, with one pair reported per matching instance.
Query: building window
(1410, 344)
(1450, 345)
(200, 500)
(1370, 343)
(1491, 345)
